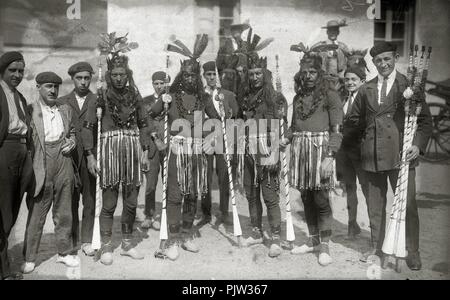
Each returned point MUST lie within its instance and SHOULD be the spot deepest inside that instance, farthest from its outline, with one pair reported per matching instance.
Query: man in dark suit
(348, 158)
(379, 111)
(156, 157)
(15, 161)
(78, 100)
(231, 110)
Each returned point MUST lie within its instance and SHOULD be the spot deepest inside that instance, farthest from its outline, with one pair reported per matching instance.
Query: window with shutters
(396, 24)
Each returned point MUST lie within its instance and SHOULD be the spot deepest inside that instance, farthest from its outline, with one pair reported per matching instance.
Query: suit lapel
(73, 102)
(89, 97)
(64, 118)
(38, 122)
(372, 92)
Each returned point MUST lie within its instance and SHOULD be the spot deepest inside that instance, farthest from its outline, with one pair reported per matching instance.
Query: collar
(389, 78)
(6, 87)
(79, 97)
(44, 106)
(209, 89)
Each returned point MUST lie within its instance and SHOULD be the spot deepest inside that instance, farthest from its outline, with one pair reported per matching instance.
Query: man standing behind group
(15, 162)
(78, 100)
(348, 158)
(231, 110)
(156, 157)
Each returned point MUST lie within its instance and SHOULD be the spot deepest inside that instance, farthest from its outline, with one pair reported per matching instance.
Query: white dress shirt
(53, 123)
(390, 82)
(349, 102)
(213, 92)
(80, 100)
(16, 125)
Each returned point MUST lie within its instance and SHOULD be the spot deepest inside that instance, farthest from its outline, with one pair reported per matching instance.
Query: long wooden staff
(290, 235)
(163, 235)
(96, 242)
(395, 240)
(237, 230)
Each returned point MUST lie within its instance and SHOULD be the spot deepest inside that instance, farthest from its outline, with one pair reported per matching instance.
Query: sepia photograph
(209, 141)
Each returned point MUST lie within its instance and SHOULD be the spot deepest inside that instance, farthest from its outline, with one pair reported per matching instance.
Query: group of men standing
(48, 148)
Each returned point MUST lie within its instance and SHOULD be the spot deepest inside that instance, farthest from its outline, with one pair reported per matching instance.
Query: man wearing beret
(348, 158)
(15, 161)
(78, 100)
(379, 110)
(159, 79)
(53, 140)
(231, 110)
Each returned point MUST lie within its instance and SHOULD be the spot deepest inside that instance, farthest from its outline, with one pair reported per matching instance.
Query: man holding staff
(125, 142)
(379, 109)
(315, 136)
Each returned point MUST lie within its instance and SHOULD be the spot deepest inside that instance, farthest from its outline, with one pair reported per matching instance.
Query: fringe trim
(192, 165)
(305, 161)
(120, 158)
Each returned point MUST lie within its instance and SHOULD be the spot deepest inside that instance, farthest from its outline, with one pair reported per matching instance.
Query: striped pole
(163, 233)
(96, 240)
(236, 224)
(290, 235)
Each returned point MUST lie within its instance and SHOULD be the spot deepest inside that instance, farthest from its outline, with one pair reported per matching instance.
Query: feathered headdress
(254, 45)
(312, 55)
(191, 64)
(113, 47)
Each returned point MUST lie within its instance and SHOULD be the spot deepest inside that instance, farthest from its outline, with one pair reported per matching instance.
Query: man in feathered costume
(261, 168)
(124, 142)
(314, 132)
(187, 166)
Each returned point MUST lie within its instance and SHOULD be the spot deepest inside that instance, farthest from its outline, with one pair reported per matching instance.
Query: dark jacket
(4, 114)
(382, 126)
(79, 117)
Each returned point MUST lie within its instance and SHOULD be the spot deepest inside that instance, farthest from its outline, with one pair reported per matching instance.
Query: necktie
(348, 103)
(383, 91)
(20, 113)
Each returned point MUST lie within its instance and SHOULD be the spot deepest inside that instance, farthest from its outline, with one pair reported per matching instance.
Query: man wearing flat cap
(53, 140)
(334, 61)
(156, 158)
(217, 94)
(378, 111)
(15, 162)
(78, 100)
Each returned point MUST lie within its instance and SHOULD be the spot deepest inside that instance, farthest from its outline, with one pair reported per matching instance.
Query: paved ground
(220, 258)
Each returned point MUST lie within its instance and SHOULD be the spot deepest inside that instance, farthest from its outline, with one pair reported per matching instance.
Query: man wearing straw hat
(334, 61)
(378, 111)
(233, 44)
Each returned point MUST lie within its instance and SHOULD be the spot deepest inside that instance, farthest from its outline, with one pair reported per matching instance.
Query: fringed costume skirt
(308, 149)
(192, 165)
(120, 158)
(256, 148)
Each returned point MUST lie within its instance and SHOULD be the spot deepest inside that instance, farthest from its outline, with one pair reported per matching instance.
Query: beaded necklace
(300, 107)
(182, 111)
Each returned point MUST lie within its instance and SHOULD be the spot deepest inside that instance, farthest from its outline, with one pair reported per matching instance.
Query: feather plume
(264, 44)
(172, 48)
(183, 47)
(201, 42)
(255, 41)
